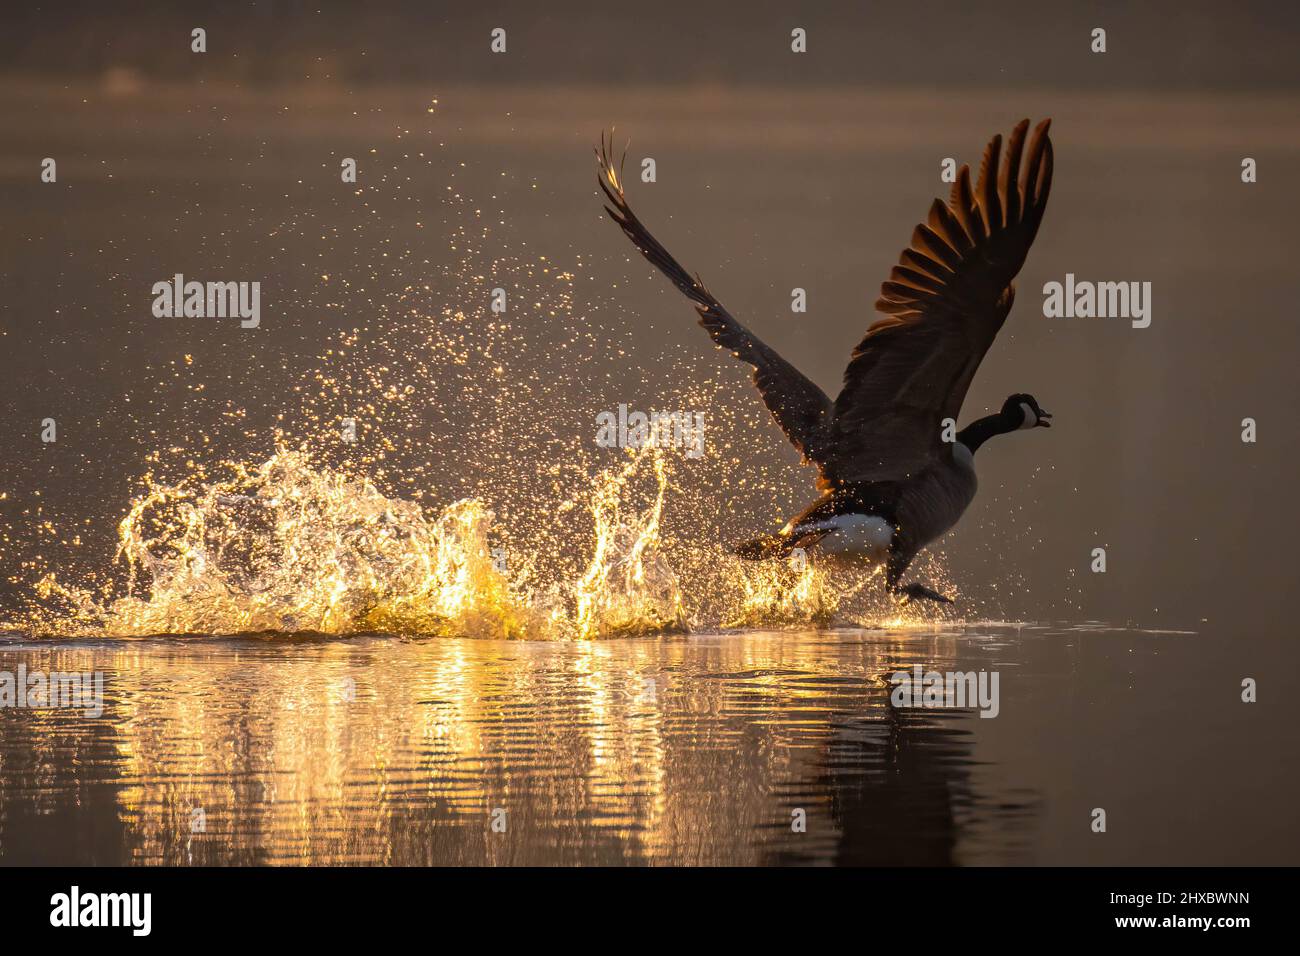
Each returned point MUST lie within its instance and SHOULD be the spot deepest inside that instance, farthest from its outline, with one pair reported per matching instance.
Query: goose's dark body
(894, 478)
(913, 513)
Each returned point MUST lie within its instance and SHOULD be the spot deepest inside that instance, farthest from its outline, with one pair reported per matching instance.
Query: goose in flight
(891, 484)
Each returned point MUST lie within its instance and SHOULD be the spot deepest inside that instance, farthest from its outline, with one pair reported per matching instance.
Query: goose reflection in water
(378, 750)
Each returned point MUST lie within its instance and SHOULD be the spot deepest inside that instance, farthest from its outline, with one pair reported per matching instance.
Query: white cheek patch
(1031, 418)
(962, 455)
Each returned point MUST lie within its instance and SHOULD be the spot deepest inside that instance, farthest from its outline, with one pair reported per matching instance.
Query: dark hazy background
(1197, 45)
(774, 171)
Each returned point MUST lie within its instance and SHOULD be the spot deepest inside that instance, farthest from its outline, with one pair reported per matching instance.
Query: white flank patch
(856, 536)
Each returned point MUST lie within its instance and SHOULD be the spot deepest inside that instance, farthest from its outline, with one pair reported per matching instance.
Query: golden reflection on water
(389, 751)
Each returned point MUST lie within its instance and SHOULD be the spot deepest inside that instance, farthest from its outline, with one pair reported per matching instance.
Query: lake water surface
(692, 749)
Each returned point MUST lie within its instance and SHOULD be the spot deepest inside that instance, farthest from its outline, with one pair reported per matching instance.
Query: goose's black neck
(982, 429)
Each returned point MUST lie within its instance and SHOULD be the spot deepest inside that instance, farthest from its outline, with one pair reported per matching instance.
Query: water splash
(291, 545)
(628, 587)
(471, 499)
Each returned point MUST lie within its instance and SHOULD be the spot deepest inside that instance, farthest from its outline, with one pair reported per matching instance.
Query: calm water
(684, 749)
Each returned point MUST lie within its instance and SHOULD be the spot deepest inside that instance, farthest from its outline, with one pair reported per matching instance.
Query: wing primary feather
(955, 192)
(916, 278)
(923, 263)
(1035, 217)
(1037, 144)
(1010, 181)
(965, 207)
(929, 241)
(988, 186)
(945, 224)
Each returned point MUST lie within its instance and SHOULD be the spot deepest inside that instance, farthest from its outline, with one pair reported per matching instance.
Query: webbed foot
(910, 592)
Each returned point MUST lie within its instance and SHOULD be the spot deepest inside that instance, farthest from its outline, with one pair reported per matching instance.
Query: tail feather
(764, 546)
(767, 546)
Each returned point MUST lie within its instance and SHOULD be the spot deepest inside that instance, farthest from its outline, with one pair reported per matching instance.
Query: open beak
(1044, 419)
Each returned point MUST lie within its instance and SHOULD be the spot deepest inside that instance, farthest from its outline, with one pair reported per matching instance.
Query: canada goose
(891, 484)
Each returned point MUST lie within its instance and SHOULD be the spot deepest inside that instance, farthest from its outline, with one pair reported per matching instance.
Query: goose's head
(1022, 411)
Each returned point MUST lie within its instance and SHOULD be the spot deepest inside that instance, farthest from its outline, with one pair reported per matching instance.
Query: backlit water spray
(472, 500)
(290, 546)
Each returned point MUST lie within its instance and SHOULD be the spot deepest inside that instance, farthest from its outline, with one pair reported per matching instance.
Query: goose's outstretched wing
(801, 408)
(944, 303)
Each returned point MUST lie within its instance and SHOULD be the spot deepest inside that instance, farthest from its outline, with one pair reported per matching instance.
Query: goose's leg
(898, 562)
